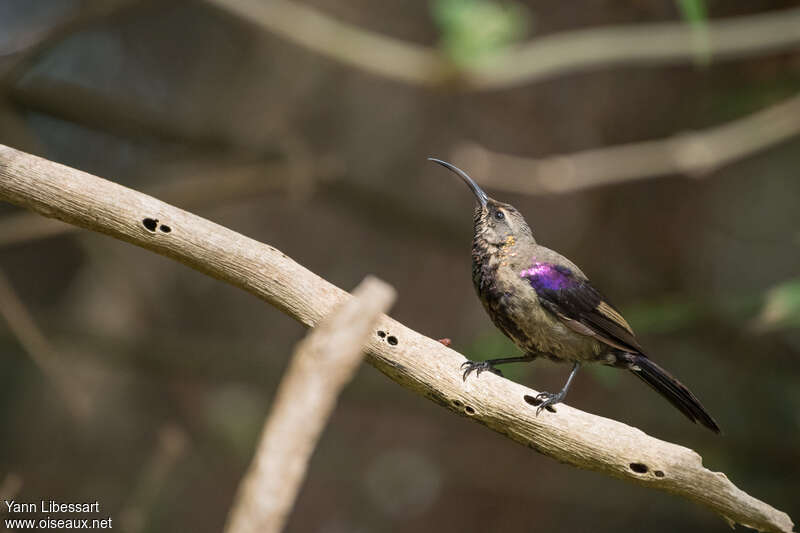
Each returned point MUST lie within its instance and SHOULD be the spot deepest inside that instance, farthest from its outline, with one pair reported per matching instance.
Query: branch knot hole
(150, 224)
(391, 339)
(532, 400)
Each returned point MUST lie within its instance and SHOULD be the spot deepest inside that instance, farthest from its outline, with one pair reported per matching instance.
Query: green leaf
(695, 13)
(474, 30)
(781, 307)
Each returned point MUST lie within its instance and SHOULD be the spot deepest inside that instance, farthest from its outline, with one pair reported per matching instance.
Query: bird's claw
(547, 400)
(478, 367)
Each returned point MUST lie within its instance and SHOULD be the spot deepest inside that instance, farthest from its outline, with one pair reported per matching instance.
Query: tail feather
(673, 390)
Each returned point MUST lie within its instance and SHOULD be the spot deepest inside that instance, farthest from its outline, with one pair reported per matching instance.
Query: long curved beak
(479, 194)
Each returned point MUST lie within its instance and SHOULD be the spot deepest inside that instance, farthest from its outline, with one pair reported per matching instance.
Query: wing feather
(580, 306)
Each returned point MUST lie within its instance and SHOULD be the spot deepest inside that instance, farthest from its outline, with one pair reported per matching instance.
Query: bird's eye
(499, 215)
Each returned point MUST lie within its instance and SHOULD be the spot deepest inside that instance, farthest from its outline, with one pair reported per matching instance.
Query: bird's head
(495, 222)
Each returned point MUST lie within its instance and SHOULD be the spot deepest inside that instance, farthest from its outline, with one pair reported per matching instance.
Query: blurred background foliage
(146, 383)
(473, 30)
(695, 13)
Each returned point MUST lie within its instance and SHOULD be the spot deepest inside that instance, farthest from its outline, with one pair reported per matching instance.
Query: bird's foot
(478, 367)
(547, 400)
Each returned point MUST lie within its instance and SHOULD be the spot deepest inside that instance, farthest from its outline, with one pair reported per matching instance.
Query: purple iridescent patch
(547, 276)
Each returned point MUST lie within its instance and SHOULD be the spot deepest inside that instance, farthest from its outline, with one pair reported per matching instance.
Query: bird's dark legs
(490, 364)
(548, 398)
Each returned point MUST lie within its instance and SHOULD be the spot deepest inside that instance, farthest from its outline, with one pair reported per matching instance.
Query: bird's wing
(580, 306)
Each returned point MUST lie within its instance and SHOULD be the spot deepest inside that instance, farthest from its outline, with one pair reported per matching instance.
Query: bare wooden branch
(322, 364)
(202, 189)
(694, 154)
(543, 58)
(414, 361)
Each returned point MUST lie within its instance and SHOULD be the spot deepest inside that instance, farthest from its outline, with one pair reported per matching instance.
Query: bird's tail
(671, 389)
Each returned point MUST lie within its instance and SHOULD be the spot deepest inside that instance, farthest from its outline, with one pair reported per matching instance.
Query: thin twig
(23, 326)
(369, 51)
(10, 487)
(543, 58)
(171, 445)
(116, 114)
(694, 154)
(322, 364)
(416, 362)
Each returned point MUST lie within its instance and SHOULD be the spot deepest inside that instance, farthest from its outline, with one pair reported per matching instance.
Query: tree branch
(416, 362)
(694, 154)
(542, 58)
(639, 44)
(369, 51)
(202, 189)
(322, 364)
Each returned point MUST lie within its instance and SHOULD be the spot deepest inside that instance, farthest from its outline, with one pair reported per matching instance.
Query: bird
(550, 309)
